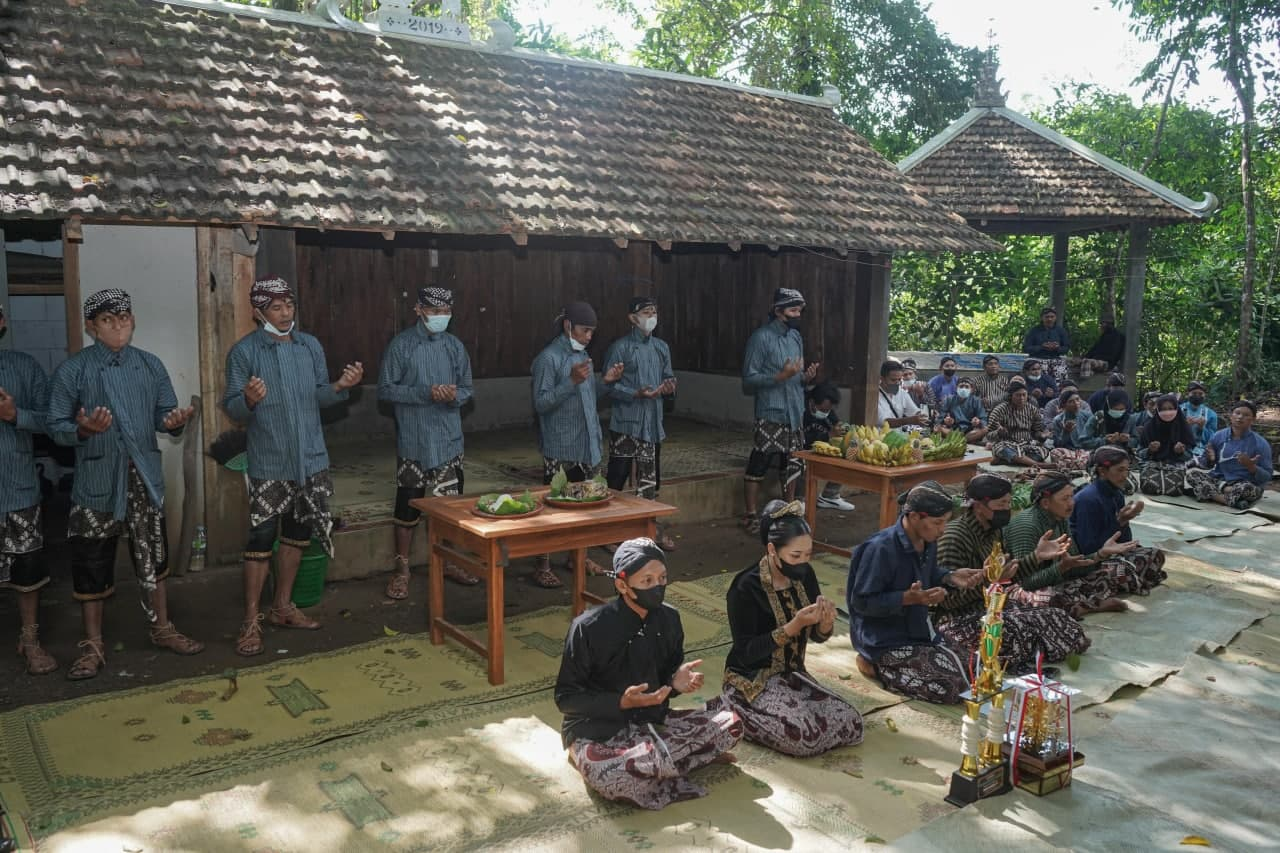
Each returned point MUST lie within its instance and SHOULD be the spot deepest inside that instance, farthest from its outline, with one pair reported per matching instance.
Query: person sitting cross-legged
(963, 411)
(775, 610)
(1016, 429)
(623, 663)
(1236, 463)
(894, 579)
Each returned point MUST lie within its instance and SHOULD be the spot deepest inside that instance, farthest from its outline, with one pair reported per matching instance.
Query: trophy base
(1040, 777)
(988, 783)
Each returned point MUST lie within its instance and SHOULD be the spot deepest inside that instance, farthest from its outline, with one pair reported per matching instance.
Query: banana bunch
(883, 446)
(823, 448)
(950, 447)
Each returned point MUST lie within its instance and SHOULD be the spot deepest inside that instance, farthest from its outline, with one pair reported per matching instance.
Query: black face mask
(1196, 399)
(794, 322)
(1000, 517)
(794, 571)
(948, 371)
(651, 598)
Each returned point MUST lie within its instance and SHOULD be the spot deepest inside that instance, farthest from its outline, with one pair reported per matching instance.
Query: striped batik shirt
(964, 544)
(646, 363)
(1024, 424)
(286, 441)
(135, 387)
(428, 432)
(568, 424)
(991, 390)
(769, 349)
(23, 379)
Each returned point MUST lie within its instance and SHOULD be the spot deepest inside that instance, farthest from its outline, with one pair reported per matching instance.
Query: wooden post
(1058, 293)
(870, 334)
(71, 288)
(223, 279)
(1139, 236)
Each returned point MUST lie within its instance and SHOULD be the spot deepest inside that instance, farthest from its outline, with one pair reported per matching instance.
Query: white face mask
(437, 323)
(648, 324)
(273, 330)
(577, 345)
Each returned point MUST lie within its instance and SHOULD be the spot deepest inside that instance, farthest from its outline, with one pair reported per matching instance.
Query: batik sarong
(648, 766)
(307, 503)
(1241, 494)
(794, 715)
(20, 534)
(1026, 631)
(934, 673)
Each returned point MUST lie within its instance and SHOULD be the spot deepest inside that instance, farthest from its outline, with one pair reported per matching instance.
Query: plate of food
(507, 506)
(568, 495)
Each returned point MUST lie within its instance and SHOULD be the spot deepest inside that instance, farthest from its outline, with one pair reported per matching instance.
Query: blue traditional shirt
(135, 387)
(1225, 449)
(568, 425)
(1091, 433)
(942, 387)
(1033, 343)
(881, 570)
(428, 432)
(769, 349)
(963, 411)
(1076, 438)
(1048, 390)
(286, 441)
(1201, 433)
(647, 362)
(23, 379)
(1093, 520)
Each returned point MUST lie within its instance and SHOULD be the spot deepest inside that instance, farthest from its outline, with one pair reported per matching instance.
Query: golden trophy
(984, 770)
(1040, 748)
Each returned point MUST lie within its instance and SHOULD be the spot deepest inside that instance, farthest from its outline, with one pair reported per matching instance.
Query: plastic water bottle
(199, 545)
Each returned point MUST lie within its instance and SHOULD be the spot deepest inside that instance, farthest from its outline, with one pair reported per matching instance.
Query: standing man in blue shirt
(426, 374)
(24, 404)
(108, 401)
(635, 420)
(564, 396)
(277, 382)
(773, 372)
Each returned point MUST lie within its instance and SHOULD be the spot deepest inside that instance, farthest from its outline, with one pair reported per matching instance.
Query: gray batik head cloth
(435, 297)
(113, 300)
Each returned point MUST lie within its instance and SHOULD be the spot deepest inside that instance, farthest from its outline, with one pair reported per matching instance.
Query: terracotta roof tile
(137, 109)
(998, 165)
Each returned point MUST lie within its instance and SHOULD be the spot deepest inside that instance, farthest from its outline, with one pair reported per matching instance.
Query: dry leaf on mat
(390, 632)
(890, 724)
(1195, 841)
(386, 766)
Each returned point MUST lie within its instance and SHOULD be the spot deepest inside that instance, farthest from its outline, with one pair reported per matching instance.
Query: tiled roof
(998, 165)
(135, 109)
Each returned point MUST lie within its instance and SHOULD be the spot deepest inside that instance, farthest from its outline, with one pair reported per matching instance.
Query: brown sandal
(39, 662)
(169, 637)
(459, 575)
(249, 643)
(751, 524)
(291, 617)
(545, 578)
(398, 583)
(666, 543)
(89, 663)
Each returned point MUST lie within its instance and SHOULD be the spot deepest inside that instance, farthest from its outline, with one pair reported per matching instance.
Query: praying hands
(91, 424)
(686, 680)
(8, 409)
(351, 376)
(178, 418)
(444, 393)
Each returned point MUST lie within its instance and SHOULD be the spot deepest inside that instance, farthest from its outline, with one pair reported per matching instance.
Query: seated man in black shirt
(1106, 353)
(622, 664)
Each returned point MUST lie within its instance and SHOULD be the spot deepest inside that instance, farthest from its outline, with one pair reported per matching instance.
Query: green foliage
(900, 80)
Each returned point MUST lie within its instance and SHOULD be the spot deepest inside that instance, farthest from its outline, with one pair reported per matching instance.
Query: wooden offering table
(484, 545)
(887, 482)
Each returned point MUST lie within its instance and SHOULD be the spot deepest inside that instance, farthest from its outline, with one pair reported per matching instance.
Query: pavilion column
(1135, 282)
(1058, 294)
(870, 333)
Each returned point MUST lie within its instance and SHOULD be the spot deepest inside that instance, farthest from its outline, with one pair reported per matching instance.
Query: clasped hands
(686, 680)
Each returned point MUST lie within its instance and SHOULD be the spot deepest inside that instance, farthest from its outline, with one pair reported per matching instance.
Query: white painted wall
(157, 267)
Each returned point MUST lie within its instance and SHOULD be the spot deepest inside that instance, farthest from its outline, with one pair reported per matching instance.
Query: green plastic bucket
(308, 587)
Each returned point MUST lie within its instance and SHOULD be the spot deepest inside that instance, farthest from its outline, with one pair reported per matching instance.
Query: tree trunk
(1239, 73)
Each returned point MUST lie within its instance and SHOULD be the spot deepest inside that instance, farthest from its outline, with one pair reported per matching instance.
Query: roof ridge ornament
(986, 92)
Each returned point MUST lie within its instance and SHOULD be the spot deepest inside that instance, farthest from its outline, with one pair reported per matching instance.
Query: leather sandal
(545, 578)
(39, 662)
(398, 583)
(91, 662)
(249, 643)
(459, 575)
(169, 637)
(291, 617)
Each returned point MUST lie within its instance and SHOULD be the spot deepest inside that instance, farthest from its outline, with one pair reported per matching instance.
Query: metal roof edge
(318, 20)
(940, 139)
